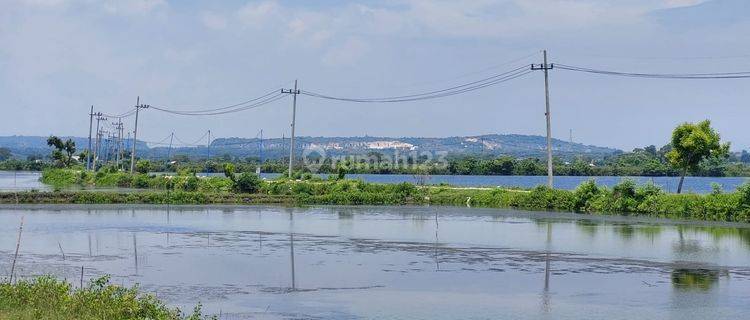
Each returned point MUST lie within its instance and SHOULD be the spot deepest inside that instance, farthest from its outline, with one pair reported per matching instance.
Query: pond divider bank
(626, 198)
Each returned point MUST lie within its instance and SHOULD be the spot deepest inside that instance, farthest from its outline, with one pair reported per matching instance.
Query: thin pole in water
(18, 245)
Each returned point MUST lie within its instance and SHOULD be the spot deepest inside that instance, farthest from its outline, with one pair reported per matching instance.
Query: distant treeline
(648, 161)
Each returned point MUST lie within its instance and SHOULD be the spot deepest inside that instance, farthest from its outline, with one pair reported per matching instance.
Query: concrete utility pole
(169, 151)
(260, 152)
(546, 67)
(138, 107)
(208, 147)
(99, 118)
(117, 137)
(294, 93)
(91, 124)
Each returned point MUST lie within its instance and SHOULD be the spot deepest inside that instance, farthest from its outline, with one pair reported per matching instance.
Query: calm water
(393, 262)
(20, 180)
(669, 184)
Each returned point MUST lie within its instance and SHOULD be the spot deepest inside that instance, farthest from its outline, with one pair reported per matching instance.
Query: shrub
(248, 183)
(140, 181)
(143, 166)
(584, 193)
(191, 183)
(48, 298)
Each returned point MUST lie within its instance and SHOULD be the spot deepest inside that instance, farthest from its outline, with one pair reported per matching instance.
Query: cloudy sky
(58, 57)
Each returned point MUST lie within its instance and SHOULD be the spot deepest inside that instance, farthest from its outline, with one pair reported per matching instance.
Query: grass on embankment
(624, 199)
(48, 298)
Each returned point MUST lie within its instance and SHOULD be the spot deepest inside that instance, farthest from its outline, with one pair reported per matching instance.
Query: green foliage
(59, 178)
(624, 198)
(48, 298)
(142, 166)
(5, 154)
(692, 144)
(585, 193)
(229, 171)
(63, 152)
(248, 183)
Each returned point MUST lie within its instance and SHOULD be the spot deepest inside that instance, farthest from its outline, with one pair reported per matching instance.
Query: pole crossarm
(542, 66)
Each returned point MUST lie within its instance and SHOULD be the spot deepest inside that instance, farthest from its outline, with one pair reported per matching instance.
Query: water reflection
(291, 249)
(695, 279)
(393, 262)
(546, 307)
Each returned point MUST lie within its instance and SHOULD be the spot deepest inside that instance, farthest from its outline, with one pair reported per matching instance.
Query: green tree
(229, 170)
(143, 166)
(248, 183)
(693, 143)
(63, 152)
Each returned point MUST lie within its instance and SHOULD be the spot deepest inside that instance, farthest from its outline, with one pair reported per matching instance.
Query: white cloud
(44, 3)
(682, 3)
(348, 52)
(214, 21)
(258, 14)
(132, 6)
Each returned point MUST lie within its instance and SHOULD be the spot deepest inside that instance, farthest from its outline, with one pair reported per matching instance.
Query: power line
(194, 143)
(471, 86)
(122, 115)
(263, 100)
(484, 70)
(699, 76)
(275, 90)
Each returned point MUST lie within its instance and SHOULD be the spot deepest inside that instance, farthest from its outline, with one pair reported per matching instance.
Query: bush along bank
(625, 198)
(48, 298)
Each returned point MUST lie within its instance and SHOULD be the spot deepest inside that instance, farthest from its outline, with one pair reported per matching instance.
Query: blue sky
(58, 57)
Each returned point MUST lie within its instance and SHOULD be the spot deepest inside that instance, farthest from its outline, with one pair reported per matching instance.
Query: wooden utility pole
(546, 67)
(294, 93)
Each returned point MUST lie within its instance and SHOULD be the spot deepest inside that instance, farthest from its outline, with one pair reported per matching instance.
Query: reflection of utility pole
(437, 259)
(546, 267)
(294, 93)
(546, 67)
(545, 294)
(291, 244)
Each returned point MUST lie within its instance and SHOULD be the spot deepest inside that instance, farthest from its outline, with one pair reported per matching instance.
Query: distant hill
(493, 144)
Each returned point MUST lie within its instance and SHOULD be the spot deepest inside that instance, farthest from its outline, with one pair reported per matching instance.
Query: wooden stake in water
(15, 186)
(81, 277)
(61, 250)
(15, 256)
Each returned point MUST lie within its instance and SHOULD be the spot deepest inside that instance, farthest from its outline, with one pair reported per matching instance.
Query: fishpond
(266, 262)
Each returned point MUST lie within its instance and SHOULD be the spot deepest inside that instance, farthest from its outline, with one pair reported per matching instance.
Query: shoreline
(480, 211)
(722, 208)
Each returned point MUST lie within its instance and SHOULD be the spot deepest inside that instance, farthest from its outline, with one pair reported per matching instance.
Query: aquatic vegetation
(625, 198)
(48, 298)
